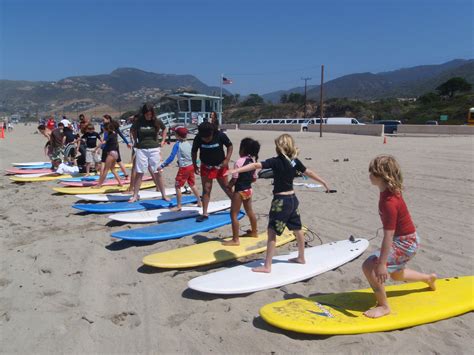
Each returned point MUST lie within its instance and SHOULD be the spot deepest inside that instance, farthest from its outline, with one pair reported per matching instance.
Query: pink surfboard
(27, 171)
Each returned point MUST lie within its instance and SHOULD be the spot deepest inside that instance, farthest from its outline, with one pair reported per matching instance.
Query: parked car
(390, 126)
(433, 123)
(342, 120)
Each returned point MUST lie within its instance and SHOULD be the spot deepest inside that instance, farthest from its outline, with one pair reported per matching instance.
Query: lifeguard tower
(193, 109)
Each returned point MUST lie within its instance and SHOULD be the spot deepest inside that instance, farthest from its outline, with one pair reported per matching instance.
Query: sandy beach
(66, 286)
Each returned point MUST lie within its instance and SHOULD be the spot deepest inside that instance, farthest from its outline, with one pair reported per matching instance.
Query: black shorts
(284, 213)
(104, 156)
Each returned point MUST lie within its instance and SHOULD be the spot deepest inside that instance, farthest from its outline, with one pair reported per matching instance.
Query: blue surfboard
(112, 207)
(31, 167)
(88, 178)
(177, 229)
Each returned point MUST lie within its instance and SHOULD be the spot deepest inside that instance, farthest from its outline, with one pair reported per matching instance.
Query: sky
(261, 45)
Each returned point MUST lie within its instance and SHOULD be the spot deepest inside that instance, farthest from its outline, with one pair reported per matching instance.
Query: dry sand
(67, 287)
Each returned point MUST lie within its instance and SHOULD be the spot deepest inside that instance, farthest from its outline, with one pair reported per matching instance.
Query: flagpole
(220, 113)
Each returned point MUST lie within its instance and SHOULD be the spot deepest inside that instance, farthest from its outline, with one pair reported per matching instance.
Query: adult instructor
(145, 132)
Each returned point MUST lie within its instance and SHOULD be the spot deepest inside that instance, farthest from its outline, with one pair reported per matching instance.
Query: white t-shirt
(66, 169)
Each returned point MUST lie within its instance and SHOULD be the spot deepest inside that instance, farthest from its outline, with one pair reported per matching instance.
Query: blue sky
(262, 45)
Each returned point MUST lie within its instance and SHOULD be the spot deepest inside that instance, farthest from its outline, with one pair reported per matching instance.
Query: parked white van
(342, 120)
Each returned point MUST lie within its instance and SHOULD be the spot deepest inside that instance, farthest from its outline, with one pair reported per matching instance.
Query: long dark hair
(148, 107)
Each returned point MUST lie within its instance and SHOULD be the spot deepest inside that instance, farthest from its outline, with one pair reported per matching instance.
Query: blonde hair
(387, 168)
(285, 145)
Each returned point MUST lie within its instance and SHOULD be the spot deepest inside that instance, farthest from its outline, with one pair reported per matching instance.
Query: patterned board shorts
(185, 175)
(57, 154)
(403, 250)
(284, 213)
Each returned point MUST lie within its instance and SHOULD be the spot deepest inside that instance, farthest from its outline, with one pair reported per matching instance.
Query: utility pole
(321, 103)
(305, 85)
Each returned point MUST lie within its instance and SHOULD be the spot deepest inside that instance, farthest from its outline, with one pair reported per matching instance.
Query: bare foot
(231, 243)
(166, 198)
(199, 205)
(431, 282)
(377, 312)
(297, 260)
(249, 233)
(262, 269)
(133, 199)
(175, 209)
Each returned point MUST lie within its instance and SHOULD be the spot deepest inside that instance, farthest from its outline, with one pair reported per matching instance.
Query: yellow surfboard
(342, 313)
(213, 252)
(41, 178)
(102, 190)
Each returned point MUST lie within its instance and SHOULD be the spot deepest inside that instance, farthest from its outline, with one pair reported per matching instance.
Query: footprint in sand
(126, 318)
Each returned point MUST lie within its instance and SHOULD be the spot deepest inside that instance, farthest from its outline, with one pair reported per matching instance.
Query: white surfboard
(309, 186)
(241, 279)
(165, 215)
(31, 163)
(121, 196)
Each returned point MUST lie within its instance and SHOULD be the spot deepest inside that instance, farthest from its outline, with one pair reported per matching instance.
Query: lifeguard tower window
(208, 106)
(183, 106)
(195, 105)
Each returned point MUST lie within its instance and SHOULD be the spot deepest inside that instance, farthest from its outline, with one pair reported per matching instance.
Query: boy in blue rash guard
(182, 149)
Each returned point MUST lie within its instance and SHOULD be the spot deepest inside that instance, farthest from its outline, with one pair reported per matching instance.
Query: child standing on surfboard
(284, 209)
(242, 184)
(400, 240)
(182, 149)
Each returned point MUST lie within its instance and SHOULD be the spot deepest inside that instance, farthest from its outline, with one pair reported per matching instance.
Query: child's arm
(311, 174)
(381, 268)
(125, 140)
(172, 155)
(244, 169)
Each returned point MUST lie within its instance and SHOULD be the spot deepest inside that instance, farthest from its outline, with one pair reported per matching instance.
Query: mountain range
(126, 88)
(121, 90)
(406, 82)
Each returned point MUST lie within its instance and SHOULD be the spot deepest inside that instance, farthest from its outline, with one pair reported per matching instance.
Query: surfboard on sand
(107, 182)
(213, 252)
(13, 171)
(31, 163)
(102, 190)
(124, 196)
(38, 177)
(319, 259)
(113, 207)
(176, 229)
(342, 313)
(92, 177)
(165, 215)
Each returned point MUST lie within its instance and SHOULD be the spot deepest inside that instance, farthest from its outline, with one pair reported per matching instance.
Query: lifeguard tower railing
(193, 109)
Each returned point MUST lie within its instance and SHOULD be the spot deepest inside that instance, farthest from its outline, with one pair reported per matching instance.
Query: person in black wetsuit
(111, 150)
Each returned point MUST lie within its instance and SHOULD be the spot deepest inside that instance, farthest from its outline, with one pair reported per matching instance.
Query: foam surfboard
(93, 177)
(165, 215)
(123, 196)
(411, 304)
(102, 190)
(176, 229)
(28, 171)
(319, 259)
(113, 207)
(213, 252)
(107, 182)
(37, 177)
(40, 166)
(31, 163)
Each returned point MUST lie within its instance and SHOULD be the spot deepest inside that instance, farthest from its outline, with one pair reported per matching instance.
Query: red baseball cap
(181, 131)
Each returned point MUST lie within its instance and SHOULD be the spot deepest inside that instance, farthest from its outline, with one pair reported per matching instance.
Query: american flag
(226, 81)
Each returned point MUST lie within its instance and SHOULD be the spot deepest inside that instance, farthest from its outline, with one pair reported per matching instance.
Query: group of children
(400, 242)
